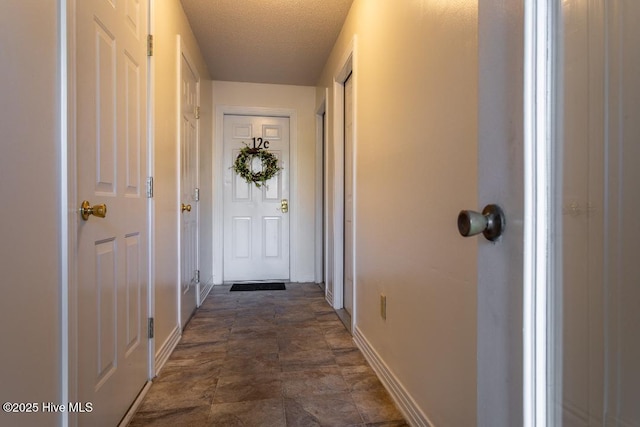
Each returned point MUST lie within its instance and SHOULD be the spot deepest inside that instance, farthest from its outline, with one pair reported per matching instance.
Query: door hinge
(196, 276)
(151, 328)
(197, 112)
(149, 44)
(149, 187)
(196, 195)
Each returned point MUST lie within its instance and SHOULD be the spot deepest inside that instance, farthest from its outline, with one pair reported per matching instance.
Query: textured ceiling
(266, 41)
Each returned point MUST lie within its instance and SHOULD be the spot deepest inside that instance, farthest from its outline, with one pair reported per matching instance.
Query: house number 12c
(260, 143)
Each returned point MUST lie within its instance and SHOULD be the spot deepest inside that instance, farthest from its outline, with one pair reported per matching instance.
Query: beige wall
(30, 212)
(169, 21)
(302, 100)
(416, 108)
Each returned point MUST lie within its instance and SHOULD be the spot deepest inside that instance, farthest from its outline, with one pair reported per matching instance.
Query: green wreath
(242, 165)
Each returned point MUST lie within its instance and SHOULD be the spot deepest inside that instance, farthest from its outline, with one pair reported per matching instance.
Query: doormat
(278, 286)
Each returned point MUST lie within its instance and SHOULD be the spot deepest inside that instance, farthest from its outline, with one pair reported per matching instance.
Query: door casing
(347, 66)
(349, 196)
(322, 174)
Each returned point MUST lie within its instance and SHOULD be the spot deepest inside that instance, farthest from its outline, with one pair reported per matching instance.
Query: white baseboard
(204, 291)
(167, 348)
(305, 278)
(161, 358)
(136, 404)
(412, 413)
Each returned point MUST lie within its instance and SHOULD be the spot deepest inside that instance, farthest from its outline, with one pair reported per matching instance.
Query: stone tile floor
(267, 358)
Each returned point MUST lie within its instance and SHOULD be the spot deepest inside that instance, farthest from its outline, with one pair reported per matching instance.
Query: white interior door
(112, 252)
(256, 227)
(500, 181)
(595, 365)
(189, 192)
(348, 195)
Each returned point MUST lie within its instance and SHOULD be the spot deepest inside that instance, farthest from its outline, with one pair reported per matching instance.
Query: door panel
(106, 292)
(112, 252)
(134, 317)
(189, 219)
(256, 230)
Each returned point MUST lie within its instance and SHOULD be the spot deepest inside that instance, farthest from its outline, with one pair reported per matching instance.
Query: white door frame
(218, 187)
(69, 208)
(346, 66)
(151, 171)
(68, 205)
(539, 129)
(321, 273)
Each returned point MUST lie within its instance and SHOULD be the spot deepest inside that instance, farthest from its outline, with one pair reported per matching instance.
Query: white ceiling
(266, 41)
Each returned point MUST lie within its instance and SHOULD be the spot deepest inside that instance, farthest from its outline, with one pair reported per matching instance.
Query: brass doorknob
(184, 207)
(87, 210)
(284, 205)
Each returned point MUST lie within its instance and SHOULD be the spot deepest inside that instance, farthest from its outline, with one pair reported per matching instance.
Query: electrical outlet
(383, 306)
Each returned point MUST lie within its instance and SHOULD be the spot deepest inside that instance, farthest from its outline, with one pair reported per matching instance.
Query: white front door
(189, 192)
(256, 221)
(112, 252)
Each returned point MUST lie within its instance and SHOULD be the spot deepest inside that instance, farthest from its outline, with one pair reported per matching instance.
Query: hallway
(268, 358)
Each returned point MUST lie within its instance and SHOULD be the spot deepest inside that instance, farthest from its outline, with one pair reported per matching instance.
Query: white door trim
(151, 295)
(67, 182)
(338, 192)
(68, 170)
(539, 68)
(321, 196)
(218, 187)
(346, 66)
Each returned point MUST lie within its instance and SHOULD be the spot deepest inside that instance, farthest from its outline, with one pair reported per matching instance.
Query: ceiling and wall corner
(266, 41)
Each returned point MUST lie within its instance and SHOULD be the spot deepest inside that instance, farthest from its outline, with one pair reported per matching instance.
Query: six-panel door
(256, 230)
(112, 252)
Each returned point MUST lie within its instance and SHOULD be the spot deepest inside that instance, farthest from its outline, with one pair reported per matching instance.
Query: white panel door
(256, 228)
(189, 220)
(348, 195)
(112, 252)
(500, 181)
